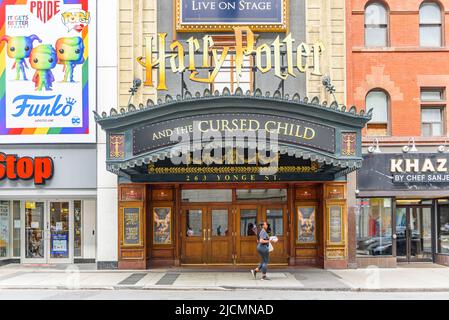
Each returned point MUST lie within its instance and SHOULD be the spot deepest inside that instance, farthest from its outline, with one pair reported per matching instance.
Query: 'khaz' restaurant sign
(403, 171)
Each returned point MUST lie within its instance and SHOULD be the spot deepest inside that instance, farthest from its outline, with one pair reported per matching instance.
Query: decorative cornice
(257, 95)
(345, 164)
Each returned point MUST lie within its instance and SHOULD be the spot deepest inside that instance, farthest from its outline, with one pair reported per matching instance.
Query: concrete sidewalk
(407, 279)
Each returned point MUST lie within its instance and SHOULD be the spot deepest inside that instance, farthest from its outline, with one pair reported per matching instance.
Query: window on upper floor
(431, 122)
(376, 25)
(432, 112)
(430, 25)
(227, 77)
(378, 100)
(432, 95)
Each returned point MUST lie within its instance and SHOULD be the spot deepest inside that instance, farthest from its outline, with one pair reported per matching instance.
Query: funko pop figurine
(70, 52)
(43, 59)
(19, 48)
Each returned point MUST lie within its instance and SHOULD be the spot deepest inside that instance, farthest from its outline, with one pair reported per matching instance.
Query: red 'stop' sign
(26, 168)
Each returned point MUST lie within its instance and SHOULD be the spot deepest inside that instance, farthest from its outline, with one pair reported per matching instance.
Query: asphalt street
(214, 295)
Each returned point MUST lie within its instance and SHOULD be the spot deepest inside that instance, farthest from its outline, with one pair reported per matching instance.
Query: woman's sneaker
(253, 272)
(265, 278)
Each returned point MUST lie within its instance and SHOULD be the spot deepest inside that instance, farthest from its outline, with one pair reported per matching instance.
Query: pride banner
(47, 71)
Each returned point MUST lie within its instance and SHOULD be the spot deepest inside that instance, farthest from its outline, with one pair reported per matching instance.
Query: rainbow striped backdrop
(42, 131)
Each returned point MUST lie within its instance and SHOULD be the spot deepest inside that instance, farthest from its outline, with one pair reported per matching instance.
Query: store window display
(374, 227)
(443, 230)
(4, 229)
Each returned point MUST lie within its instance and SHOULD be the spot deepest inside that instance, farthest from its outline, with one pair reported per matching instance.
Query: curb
(224, 288)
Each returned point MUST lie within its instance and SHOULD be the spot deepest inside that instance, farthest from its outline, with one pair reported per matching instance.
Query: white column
(107, 98)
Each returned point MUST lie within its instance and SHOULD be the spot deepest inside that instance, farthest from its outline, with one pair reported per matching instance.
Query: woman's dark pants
(264, 253)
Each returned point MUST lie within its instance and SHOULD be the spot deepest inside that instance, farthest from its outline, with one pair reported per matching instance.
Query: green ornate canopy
(336, 146)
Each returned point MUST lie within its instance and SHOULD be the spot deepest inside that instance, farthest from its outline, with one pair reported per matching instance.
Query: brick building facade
(397, 64)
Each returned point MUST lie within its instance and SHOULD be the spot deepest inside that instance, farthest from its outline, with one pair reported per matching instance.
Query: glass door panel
(248, 220)
(59, 230)
(35, 244)
(414, 233)
(401, 233)
(275, 220)
(194, 223)
(420, 233)
(220, 222)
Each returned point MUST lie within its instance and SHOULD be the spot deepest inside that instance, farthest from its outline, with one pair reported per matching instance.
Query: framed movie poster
(306, 219)
(132, 234)
(47, 68)
(335, 228)
(162, 221)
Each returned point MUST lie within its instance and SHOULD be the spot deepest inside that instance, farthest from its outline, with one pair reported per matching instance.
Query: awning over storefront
(324, 139)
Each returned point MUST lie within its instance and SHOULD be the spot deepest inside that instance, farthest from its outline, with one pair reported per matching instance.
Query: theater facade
(200, 212)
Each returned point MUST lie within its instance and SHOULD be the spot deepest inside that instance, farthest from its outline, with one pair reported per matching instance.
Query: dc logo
(76, 120)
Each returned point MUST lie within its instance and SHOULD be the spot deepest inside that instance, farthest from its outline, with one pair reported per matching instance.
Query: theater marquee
(223, 15)
(293, 131)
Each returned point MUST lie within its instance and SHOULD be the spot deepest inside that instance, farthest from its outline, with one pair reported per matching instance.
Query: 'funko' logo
(44, 10)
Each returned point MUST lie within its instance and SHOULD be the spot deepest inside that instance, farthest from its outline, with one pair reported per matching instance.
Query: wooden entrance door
(207, 235)
(246, 240)
(276, 217)
(193, 234)
(219, 235)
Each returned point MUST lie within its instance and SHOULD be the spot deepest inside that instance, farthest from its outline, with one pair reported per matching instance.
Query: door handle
(204, 234)
(208, 234)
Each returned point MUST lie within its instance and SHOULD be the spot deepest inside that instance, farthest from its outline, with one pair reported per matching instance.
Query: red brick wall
(401, 69)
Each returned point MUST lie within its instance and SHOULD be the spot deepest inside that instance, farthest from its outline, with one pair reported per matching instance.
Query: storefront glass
(34, 230)
(59, 230)
(16, 225)
(4, 229)
(77, 214)
(374, 228)
(443, 230)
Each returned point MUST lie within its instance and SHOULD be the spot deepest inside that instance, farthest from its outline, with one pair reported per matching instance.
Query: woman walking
(263, 242)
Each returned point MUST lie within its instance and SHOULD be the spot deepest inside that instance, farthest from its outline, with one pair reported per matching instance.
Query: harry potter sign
(180, 57)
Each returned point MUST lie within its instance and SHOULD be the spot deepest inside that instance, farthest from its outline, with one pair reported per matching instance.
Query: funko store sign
(39, 169)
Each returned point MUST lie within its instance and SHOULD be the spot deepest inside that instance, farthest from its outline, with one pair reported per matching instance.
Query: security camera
(137, 83)
(441, 149)
(326, 81)
(405, 149)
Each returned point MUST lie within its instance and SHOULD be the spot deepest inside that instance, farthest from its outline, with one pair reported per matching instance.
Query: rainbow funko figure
(70, 52)
(43, 59)
(19, 48)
